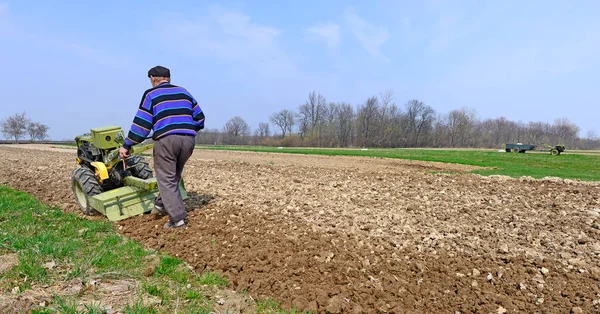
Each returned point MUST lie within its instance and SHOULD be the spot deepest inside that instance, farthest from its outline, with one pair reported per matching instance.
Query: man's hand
(123, 153)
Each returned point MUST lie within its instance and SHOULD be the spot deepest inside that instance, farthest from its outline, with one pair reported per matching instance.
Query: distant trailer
(519, 148)
(522, 148)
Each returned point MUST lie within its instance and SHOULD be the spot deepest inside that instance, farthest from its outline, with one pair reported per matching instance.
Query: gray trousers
(170, 155)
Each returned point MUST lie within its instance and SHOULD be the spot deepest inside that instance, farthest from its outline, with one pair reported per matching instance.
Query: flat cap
(159, 71)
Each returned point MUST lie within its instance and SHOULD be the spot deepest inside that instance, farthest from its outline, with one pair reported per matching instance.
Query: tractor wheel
(139, 167)
(85, 185)
(554, 151)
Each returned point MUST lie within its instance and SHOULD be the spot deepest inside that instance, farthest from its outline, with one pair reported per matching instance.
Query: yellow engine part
(101, 170)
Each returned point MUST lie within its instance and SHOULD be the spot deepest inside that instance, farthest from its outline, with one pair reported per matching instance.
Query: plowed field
(367, 235)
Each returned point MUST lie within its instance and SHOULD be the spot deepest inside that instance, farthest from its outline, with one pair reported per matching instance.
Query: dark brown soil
(366, 235)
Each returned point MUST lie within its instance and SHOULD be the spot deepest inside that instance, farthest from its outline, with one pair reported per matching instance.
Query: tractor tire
(85, 185)
(554, 152)
(139, 167)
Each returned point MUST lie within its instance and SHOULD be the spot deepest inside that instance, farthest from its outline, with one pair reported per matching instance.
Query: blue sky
(79, 64)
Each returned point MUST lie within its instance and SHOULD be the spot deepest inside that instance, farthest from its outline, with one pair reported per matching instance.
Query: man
(175, 117)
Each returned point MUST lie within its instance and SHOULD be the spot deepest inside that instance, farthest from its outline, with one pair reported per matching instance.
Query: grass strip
(54, 248)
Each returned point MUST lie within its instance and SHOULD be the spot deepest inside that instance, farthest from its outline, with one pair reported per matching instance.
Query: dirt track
(365, 235)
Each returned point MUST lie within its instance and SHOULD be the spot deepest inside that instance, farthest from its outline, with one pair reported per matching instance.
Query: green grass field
(532, 163)
(83, 249)
(78, 248)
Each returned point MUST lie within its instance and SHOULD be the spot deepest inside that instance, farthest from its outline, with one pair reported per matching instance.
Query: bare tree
(37, 131)
(538, 132)
(505, 131)
(316, 107)
(15, 126)
(32, 130)
(591, 140)
(263, 130)
(565, 132)
(42, 131)
(460, 123)
(235, 129)
(328, 129)
(389, 122)
(440, 131)
(310, 116)
(283, 119)
(419, 121)
(387, 98)
(303, 119)
(591, 135)
(367, 114)
(344, 127)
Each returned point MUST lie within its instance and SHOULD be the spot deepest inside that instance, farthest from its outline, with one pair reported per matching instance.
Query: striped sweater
(165, 109)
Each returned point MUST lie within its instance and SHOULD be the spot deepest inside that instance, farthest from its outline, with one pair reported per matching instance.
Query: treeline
(19, 126)
(380, 122)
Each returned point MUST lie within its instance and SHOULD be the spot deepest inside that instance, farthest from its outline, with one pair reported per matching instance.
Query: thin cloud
(53, 42)
(229, 35)
(371, 37)
(328, 32)
(453, 23)
(7, 26)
